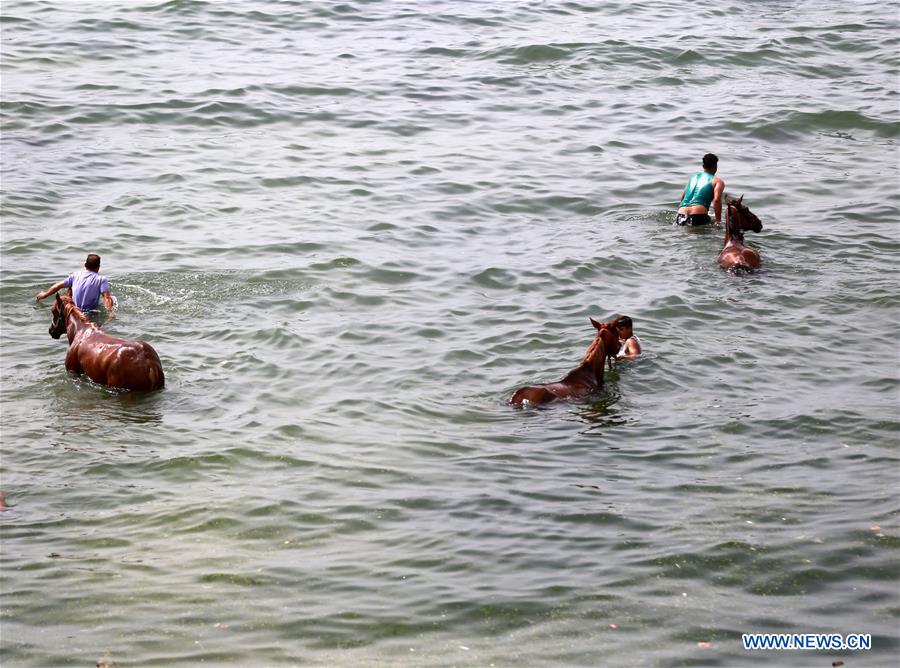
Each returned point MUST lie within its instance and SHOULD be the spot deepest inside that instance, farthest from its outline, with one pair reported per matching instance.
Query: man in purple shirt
(86, 287)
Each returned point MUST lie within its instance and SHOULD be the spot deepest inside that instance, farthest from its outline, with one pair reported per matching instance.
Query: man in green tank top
(704, 189)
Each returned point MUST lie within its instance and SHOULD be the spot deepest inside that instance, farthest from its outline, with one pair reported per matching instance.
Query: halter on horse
(738, 219)
(108, 360)
(581, 381)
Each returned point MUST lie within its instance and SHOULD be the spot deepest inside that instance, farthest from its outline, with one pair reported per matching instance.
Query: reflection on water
(81, 406)
(601, 409)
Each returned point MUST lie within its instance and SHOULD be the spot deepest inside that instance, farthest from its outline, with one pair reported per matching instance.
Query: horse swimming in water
(738, 219)
(105, 359)
(581, 381)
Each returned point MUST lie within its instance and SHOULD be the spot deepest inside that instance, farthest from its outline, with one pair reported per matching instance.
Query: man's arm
(52, 290)
(718, 189)
(632, 350)
(108, 303)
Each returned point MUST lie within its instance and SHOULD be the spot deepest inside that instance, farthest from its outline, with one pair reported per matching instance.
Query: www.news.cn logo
(811, 641)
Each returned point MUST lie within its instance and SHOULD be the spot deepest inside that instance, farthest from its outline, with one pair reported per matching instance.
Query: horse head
(744, 218)
(58, 324)
(608, 335)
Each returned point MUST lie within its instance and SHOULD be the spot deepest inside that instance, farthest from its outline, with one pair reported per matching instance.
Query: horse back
(544, 394)
(532, 394)
(119, 363)
(136, 367)
(738, 256)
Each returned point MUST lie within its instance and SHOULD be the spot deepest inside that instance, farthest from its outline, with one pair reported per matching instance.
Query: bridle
(610, 350)
(59, 324)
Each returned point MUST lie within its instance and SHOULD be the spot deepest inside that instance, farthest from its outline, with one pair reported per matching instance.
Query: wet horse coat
(734, 254)
(581, 381)
(105, 359)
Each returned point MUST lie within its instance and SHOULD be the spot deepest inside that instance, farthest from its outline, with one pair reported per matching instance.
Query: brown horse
(581, 381)
(108, 360)
(738, 219)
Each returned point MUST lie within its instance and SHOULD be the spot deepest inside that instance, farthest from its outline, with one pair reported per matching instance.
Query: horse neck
(74, 324)
(733, 232)
(597, 364)
(592, 365)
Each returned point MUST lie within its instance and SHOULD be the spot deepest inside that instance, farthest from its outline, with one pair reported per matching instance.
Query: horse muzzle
(55, 333)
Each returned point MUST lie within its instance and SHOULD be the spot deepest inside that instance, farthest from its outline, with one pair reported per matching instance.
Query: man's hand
(56, 287)
(109, 304)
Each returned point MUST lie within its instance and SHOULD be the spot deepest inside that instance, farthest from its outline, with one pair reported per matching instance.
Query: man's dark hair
(92, 263)
(625, 321)
(710, 161)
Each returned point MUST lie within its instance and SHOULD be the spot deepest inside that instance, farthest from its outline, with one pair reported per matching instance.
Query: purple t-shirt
(87, 286)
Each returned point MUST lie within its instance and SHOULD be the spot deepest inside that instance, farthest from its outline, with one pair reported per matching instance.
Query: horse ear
(597, 325)
(58, 300)
(615, 322)
(741, 198)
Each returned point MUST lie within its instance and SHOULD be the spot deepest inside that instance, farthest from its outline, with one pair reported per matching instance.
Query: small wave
(495, 278)
(181, 7)
(108, 26)
(147, 296)
(538, 205)
(532, 54)
(790, 125)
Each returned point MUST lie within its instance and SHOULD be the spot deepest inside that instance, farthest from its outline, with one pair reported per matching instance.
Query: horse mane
(598, 338)
(732, 226)
(70, 307)
(592, 349)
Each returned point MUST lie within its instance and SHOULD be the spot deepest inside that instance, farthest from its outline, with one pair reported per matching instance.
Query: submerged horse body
(105, 359)
(738, 219)
(581, 381)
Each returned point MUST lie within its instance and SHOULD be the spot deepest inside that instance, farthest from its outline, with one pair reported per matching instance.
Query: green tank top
(699, 190)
